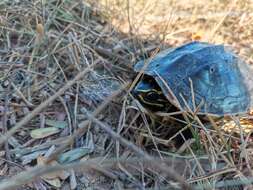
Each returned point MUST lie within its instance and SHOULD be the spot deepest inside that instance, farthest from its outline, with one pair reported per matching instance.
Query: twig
(32, 174)
(29, 104)
(5, 119)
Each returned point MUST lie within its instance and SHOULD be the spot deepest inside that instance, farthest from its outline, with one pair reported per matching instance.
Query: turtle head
(148, 92)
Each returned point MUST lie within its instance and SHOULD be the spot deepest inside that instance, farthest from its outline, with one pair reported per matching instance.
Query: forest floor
(67, 115)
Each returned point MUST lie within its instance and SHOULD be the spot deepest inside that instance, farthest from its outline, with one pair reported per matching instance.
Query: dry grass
(67, 117)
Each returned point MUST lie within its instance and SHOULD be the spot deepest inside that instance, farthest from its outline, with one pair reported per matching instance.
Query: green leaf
(57, 124)
(44, 132)
(73, 155)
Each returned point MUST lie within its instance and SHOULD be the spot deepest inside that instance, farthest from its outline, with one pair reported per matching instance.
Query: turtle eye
(152, 96)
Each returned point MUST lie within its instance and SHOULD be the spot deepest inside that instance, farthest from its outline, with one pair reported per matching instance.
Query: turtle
(197, 76)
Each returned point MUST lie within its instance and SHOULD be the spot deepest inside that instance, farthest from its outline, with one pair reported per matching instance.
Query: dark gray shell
(200, 76)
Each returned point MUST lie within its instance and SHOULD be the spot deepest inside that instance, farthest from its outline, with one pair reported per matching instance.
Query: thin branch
(38, 171)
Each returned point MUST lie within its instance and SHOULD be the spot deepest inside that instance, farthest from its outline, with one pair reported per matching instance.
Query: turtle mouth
(229, 105)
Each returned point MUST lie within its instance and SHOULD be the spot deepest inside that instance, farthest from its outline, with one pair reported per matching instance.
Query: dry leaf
(197, 36)
(54, 182)
(41, 161)
(40, 31)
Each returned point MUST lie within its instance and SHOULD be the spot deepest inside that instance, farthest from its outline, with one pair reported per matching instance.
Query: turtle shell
(201, 77)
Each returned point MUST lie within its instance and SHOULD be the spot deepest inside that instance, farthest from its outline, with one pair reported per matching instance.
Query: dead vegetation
(67, 117)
